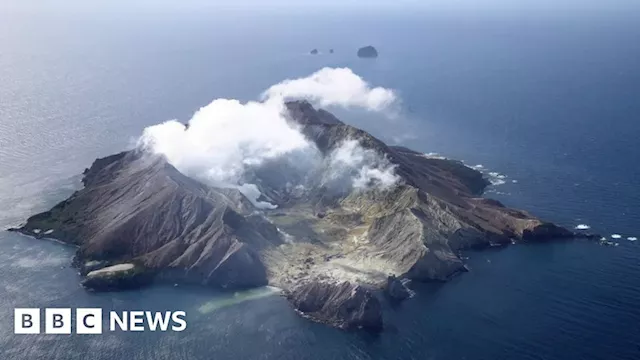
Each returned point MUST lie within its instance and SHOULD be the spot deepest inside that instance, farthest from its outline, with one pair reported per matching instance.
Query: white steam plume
(226, 138)
(331, 86)
(364, 167)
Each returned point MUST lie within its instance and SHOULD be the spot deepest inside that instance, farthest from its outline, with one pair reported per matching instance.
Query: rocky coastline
(138, 219)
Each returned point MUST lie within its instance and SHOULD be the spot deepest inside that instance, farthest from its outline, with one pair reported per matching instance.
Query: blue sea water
(549, 100)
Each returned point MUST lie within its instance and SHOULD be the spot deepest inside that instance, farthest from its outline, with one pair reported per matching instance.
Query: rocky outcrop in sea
(367, 52)
(333, 254)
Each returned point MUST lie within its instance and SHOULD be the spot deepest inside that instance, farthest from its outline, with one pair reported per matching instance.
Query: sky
(368, 5)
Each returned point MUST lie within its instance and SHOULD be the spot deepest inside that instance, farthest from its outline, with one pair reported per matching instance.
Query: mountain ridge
(330, 252)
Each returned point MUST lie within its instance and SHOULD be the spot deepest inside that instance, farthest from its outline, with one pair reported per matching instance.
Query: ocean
(547, 102)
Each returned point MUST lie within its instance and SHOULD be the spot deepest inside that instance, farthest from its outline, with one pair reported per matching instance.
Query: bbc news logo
(89, 321)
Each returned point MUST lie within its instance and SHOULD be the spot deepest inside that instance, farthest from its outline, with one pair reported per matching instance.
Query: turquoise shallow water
(547, 101)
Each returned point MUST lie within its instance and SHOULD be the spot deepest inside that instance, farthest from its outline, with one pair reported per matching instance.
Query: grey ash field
(333, 254)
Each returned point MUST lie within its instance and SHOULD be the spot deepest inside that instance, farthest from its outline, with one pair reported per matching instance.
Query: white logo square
(26, 321)
(57, 321)
(88, 321)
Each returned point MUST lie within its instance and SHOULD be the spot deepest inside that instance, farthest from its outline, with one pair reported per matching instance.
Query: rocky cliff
(330, 251)
(136, 207)
(368, 52)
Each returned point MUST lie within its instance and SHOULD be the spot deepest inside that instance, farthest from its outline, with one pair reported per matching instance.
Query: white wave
(35, 262)
(582, 227)
(495, 178)
(616, 236)
(632, 238)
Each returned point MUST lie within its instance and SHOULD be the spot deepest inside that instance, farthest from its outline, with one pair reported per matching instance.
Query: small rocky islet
(138, 220)
(368, 52)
